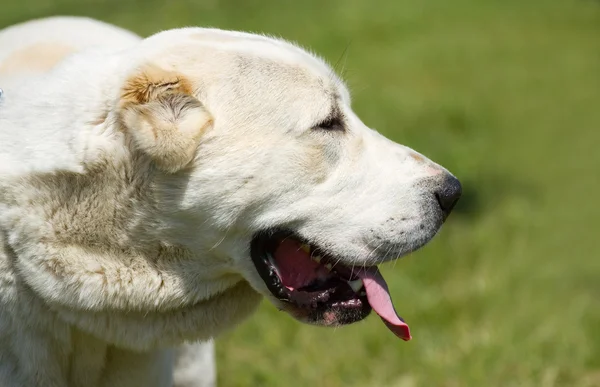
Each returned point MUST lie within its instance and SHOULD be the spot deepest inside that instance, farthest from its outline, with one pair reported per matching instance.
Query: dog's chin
(328, 316)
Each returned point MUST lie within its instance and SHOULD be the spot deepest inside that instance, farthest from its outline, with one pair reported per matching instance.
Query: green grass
(504, 93)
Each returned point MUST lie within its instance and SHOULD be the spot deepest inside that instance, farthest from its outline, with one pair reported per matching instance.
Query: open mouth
(315, 287)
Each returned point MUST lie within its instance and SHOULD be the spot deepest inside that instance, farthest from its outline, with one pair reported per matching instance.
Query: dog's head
(266, 168)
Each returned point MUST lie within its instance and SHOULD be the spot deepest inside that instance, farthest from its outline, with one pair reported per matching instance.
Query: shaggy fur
(34, 48)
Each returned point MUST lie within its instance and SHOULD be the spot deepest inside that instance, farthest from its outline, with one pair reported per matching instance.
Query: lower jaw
(328, 315)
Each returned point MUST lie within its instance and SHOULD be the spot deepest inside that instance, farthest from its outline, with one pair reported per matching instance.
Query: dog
(153, 191)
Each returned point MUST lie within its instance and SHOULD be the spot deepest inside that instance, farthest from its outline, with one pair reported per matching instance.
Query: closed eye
(331, 123)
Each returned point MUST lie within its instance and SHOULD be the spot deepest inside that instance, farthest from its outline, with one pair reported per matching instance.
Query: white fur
(194, 362)
(132, 181)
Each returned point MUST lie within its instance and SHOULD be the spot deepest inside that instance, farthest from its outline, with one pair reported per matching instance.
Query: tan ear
(163, 117)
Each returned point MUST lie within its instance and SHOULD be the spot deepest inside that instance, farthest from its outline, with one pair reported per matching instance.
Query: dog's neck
(93, 241)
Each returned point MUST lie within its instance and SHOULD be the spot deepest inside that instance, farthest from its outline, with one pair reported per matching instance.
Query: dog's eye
(332, 123)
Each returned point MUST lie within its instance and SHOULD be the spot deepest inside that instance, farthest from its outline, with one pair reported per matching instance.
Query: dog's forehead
(263, 46)
(268, 65)
(272, 55)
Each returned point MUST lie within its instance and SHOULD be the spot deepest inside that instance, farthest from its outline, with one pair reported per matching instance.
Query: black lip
(334, 296)
(261, 244)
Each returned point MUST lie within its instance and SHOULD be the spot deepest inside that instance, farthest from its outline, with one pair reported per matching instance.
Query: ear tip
(170, 152)
(174, 165)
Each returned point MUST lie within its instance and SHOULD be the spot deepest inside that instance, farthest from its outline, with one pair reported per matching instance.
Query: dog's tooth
(317, 258)
(328, 266)
(356, 285)
(305, 248)
(273, 265)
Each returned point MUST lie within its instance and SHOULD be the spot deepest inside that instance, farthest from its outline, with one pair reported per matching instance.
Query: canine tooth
(356, 285)
(317, 258)
(272, 262)
(305, 248)
(328, 266)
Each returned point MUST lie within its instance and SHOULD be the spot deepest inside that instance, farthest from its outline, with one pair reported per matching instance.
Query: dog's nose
(448, 193)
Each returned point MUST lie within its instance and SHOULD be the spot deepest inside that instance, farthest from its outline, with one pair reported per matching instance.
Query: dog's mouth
(315, 287)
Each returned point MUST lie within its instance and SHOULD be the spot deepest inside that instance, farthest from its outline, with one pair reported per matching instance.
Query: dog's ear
(164, 119)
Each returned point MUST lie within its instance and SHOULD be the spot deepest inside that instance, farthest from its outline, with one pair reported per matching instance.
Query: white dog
(151, 192)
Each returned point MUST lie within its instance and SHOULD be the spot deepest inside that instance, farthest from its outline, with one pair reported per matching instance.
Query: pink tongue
(295, 268)
(381, 302)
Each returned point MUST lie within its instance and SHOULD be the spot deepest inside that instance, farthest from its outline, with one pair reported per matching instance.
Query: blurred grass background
(504, 93)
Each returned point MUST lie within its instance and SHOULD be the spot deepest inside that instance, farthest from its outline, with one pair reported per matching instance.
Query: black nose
(448, 194)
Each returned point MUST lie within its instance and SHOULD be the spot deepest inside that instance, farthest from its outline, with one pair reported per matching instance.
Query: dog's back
(38, 45)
